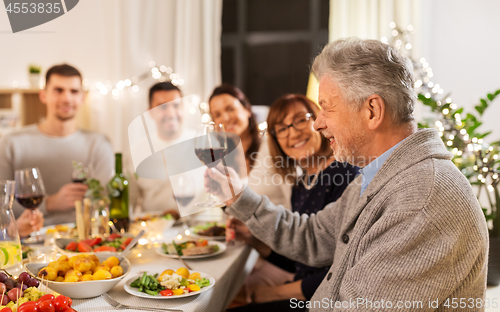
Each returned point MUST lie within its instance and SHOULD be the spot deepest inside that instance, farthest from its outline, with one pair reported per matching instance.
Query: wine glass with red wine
(210, 148)
(30, 190)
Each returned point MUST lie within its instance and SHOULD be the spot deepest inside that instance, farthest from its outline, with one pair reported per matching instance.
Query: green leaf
(497, 92)
(490, 96)
(458, 111)
(481, 136)
(479, 109)
(420, 125)
(484, 104)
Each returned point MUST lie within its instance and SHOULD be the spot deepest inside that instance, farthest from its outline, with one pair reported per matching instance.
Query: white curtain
(181, 34)
(370, 19)
(114, 40)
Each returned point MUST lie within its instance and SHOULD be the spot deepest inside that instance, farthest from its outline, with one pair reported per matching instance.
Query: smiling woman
(230, 107)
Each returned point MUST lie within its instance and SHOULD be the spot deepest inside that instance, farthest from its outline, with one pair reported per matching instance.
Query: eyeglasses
(282, 131)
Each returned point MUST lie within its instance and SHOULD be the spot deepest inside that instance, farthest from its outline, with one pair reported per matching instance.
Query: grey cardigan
(417, 234)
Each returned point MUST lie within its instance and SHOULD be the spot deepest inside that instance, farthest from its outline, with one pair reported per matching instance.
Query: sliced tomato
(113, 236)
(126, 242)
(71, 246)
(84, 247)
(201, 242)
(104, 248)
(93, 241)
(167, 292)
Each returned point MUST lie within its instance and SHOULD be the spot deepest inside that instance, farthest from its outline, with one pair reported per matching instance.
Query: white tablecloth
(229, 269)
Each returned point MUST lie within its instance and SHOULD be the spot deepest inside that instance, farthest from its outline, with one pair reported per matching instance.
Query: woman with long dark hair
(230, 107)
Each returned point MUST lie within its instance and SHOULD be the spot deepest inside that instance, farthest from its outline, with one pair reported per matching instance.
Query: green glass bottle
(118, 195)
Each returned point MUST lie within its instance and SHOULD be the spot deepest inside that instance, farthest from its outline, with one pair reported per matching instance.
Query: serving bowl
(84, 289)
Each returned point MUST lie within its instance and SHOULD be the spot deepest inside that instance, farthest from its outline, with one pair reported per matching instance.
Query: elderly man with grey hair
(409, 232)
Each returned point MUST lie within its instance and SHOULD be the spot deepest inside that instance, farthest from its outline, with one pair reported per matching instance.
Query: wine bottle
(118, 195)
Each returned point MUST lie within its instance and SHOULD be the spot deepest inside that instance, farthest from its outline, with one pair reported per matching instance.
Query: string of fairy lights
(477, 160)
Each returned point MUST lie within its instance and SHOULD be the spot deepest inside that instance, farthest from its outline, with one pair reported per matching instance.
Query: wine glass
(30, 190)
(185, 190)
(210, 148)
(80, 173)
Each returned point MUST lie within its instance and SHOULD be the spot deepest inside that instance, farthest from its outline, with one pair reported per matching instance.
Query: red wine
(210, 156)
(79, 180)
(184, 200)
(29, 201)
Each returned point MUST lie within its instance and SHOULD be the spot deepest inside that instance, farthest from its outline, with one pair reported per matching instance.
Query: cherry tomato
(71, 246)
(6, 310)
(167, 292)
(47, 297)
(61, 303)
(84, 247)
(46, 306)
(69, 310)
(30, 306)
(70, 301)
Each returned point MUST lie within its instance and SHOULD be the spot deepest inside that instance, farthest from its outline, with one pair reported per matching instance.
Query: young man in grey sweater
(54, 143)
(408, 233)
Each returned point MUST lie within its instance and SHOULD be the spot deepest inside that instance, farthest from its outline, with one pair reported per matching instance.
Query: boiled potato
(48, 273)
(112, 261)
(101, 275)
(83, 265)
(116, 271)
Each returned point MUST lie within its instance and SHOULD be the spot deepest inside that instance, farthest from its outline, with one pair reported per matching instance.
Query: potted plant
(34, 76)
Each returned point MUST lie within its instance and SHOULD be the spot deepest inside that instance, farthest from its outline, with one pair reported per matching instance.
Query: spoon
(129, 247)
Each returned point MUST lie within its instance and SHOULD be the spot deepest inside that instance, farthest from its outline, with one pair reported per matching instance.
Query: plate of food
(209, 231)
(153, 223)
(52, 231)
(191, 249)
(169, 284)
(111, 243)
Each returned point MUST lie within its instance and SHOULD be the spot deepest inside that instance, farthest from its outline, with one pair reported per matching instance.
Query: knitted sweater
(29, 147)
(417, 234)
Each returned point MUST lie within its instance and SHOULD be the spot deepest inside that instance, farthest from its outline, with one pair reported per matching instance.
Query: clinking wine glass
(30, 190)
(210, 147)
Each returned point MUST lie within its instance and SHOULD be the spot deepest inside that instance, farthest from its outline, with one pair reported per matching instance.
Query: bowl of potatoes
(82, 275)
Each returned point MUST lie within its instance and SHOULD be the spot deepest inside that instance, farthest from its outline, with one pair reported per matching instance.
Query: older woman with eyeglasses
(301, 156)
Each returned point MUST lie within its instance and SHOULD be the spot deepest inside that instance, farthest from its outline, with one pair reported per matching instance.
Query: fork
(118, 305)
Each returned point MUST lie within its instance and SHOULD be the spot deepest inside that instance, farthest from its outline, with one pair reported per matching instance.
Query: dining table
(229, 269)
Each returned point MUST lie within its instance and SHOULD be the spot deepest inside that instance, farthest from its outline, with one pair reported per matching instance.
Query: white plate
(222, 248)
(209, 238)
(135, 291)
(43, 232)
